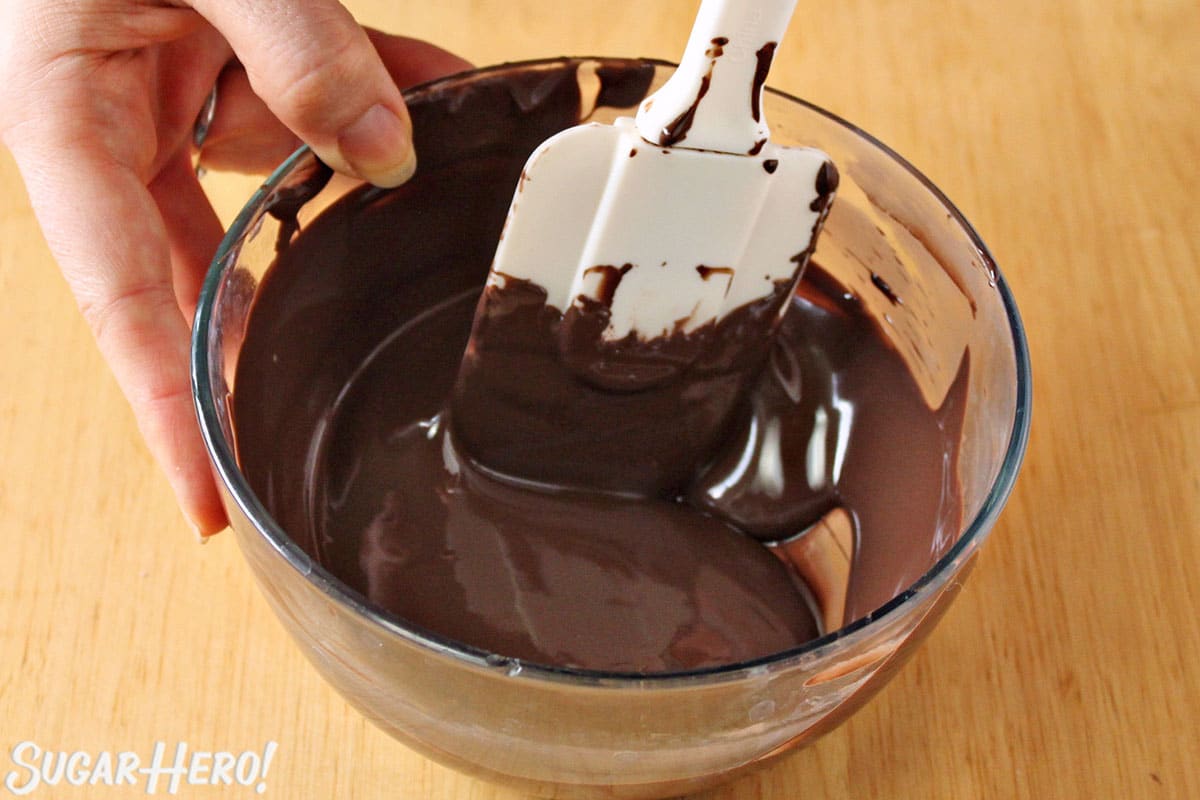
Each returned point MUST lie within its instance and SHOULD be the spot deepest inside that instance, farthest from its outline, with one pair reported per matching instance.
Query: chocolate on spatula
(656, 255)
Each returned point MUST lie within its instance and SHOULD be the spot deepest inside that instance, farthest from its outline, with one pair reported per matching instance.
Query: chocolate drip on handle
(713, 100)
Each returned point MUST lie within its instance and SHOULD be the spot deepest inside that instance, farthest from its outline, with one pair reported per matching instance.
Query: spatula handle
(713, 100)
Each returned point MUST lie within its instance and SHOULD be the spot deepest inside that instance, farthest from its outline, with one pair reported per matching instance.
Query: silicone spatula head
(645, 237)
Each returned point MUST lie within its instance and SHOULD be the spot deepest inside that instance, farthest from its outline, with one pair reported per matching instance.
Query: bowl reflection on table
(564, 732)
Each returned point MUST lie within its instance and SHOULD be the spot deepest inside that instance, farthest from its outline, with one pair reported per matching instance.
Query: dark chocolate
(610, 279)
(827, 182)
(886, 288)
(537, 384)
(676, 130)
(707, 272)
(286, 203)
(353, 348)
(765, 55)
(623, 85)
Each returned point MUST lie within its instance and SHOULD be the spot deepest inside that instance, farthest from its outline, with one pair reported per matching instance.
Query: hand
(97, 104)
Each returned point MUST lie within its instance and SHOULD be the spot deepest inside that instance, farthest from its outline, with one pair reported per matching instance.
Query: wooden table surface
(1068, 132)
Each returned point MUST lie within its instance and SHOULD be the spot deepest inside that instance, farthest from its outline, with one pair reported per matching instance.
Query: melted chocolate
(537, 385)
(827, 183)
(546, 398)
(610, 279)
(353, 349)
(676, 130)
(763, 56)
(552, 577)
(886, 288)
(836, 421)
(707, 272)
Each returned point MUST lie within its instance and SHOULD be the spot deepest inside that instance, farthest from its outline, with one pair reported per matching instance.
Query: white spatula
(658, 228)
(694, 182)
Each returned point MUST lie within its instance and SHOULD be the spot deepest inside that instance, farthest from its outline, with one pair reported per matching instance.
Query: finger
(316, 70)
(246, 136)
(185, 72)
(99, 25)
(193, 229)
(106, 233)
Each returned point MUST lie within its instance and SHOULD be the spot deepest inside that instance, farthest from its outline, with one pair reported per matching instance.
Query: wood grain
(1067, 132)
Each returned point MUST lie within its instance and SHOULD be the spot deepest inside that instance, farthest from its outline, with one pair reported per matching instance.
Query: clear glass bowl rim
(225, 462)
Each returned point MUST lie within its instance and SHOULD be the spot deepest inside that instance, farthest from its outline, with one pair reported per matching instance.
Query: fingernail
(200, 537)
(196, 530)
(378, 147)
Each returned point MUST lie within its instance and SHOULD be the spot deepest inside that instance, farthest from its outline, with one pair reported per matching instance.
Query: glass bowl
(564, 732)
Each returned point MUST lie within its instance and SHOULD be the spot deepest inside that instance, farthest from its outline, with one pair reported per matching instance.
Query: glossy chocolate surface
(342, 425)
